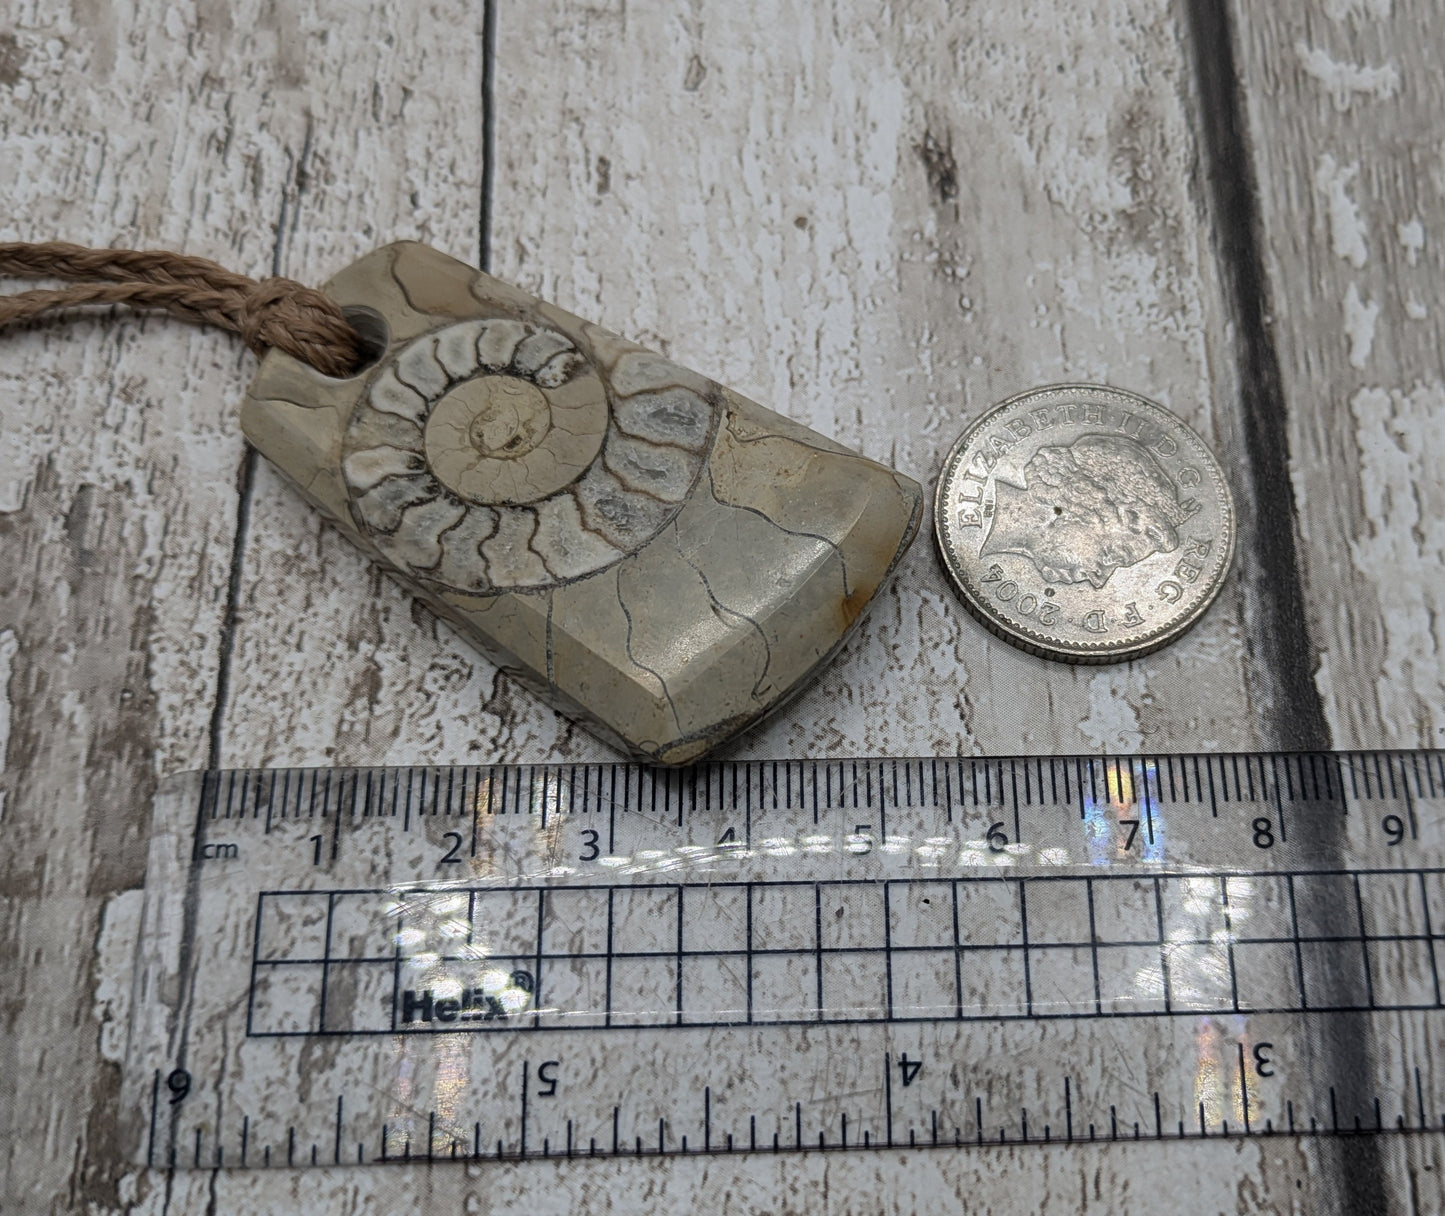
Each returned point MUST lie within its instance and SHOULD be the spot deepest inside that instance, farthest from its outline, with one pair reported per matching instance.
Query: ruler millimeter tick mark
(378, 965)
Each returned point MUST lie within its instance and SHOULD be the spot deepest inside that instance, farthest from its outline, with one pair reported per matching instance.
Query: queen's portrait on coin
(1087, 509)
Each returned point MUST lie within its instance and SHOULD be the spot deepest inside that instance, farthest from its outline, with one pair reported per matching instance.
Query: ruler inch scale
(360, 966)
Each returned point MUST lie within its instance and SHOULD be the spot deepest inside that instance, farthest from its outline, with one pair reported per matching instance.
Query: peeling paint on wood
(989, 199)
(878, 223)
(1350, 181)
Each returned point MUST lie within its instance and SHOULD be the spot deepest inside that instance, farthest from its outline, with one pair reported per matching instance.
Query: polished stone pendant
(652, 553)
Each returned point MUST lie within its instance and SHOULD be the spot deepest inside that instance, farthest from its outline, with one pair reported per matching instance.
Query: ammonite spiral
(653, 553)
(494, 455)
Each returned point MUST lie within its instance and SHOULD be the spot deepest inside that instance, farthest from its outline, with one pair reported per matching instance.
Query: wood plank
(1343, 108)
(880, 227)
(974, 220)
(274, 138)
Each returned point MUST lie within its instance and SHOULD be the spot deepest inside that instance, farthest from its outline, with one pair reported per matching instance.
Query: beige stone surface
(880, 221)
(656, 555)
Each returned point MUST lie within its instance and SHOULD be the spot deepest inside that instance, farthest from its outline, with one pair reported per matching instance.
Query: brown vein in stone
(695, 452)
(571, 492)
(300, 405)
(778, 436)
(557, 579)
(628, 487)
(441, 536)
(402, 287)
(761, 514)
(721, 607)
(633, 659)
(396, 371)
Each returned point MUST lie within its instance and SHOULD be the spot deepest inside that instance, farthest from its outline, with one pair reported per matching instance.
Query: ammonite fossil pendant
(650, 552)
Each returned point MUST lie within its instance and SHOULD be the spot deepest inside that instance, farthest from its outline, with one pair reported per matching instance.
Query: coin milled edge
(1057, 650)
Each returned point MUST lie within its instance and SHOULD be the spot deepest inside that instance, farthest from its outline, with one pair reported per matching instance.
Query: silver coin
(1084, 523)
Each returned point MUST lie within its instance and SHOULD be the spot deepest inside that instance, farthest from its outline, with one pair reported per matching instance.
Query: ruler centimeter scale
(370, 965)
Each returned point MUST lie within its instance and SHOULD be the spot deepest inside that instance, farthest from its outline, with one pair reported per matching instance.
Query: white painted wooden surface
(1344, 104)
(875, 220)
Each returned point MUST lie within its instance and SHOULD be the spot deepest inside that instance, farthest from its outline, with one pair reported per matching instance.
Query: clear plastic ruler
(365, 966)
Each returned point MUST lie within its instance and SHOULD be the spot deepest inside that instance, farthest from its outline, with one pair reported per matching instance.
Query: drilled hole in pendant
(372, 329)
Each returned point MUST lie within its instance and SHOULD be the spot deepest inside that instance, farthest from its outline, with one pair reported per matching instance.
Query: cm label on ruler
(998, 812)
(527, 962)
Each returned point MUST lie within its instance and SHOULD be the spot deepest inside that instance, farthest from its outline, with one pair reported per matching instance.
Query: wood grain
(877, 222)
(881, 227)
(237, 132)
(1343, 110)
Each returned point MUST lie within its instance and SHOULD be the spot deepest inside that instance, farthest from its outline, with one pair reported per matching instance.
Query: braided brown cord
(270, 312)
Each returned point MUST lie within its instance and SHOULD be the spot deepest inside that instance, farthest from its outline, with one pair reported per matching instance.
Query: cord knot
(301, 321)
